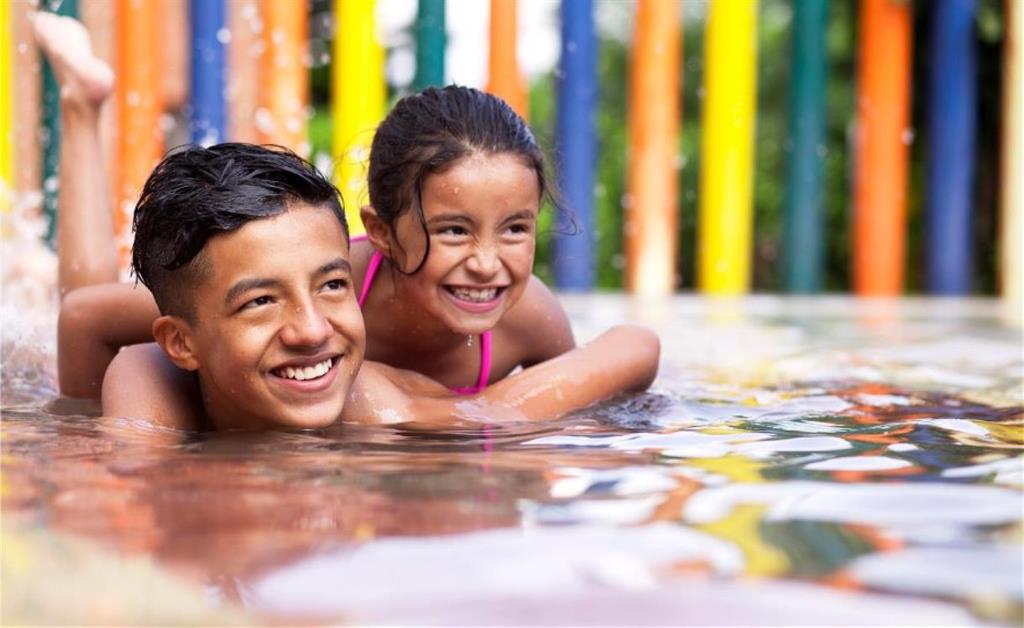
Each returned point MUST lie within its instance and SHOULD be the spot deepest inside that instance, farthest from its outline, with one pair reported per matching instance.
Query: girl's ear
(175, 337)
(377, 231)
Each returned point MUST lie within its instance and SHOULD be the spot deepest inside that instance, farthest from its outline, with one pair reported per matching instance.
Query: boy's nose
(307, 327)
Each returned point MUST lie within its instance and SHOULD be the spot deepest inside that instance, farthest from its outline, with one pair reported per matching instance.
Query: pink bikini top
(485, 338)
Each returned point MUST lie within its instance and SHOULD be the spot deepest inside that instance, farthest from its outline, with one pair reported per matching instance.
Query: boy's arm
(95, 322)
(623, 359)
(142, 383)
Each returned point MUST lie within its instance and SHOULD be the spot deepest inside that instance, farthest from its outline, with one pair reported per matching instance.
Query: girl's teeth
(307, 372)
(480, 296)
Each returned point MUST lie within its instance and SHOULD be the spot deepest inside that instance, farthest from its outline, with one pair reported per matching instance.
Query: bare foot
(82, 76)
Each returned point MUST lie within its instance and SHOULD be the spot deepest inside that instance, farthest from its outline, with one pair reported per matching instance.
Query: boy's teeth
(473, 294)
(303, 373)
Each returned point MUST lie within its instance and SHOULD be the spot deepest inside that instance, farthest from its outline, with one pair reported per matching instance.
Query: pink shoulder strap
(371, 272)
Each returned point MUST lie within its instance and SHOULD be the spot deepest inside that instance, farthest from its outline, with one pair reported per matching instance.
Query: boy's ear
(175, 337)
(377, 231)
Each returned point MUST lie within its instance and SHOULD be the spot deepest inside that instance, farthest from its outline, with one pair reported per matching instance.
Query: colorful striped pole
(244, 69)
(358, 96)
(880, 177)
(725, 229)
(577, 99)
(504, 79)
(6, 115)
(137, 98)
(284, 78)
(650, 229)
(208, 116)
(1012, 223)
(431, 40)
(952, 107)
(51, 133)
(803, 228)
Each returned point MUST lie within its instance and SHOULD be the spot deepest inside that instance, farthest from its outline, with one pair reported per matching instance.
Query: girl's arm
(623, 359)
(95, 322)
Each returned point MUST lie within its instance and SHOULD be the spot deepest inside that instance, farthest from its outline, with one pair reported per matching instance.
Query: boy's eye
(336, 284)
(257, 302)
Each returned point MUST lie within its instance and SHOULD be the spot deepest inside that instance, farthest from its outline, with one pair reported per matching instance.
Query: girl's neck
(420, 333)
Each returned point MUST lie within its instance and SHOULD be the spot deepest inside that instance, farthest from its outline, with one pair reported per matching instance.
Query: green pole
(51, 124)
(430, 44)
(803, 253)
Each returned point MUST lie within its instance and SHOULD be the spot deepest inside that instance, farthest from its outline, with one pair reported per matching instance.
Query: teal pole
(51, 126)
(803, 223)
(430, 44)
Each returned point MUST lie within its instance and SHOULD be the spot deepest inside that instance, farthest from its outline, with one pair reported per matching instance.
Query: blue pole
(577, 97)
(952, 99)
(209, 118)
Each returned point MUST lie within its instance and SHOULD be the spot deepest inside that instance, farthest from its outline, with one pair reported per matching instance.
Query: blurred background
(744, 57)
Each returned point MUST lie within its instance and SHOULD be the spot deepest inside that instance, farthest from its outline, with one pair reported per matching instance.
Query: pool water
(798, 461)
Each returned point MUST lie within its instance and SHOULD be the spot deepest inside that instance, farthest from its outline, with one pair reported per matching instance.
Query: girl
(445, 275)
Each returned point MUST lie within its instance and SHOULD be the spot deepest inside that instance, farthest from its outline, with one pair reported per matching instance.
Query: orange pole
(284, 84)
(504, 79)
(243, 70)
(650, 229)
(880, 179)
(137, 99)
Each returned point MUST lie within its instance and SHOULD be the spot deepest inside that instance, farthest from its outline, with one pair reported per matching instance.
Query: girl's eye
(519, 228)
(453, 230)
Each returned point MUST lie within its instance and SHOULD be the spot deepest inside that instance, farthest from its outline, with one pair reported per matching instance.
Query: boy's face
(278, 336)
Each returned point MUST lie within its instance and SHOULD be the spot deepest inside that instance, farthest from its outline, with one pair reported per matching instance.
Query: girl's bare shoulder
(538, 324)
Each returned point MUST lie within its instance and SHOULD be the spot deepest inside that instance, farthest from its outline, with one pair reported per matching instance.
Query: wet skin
(278, 337)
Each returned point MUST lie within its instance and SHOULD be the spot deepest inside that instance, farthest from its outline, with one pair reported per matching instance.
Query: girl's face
(481, 218)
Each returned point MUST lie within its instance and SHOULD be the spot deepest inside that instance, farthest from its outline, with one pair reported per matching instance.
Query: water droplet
(224, 36)
(907, 137)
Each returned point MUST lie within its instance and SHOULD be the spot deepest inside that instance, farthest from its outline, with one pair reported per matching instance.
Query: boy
(246, 252)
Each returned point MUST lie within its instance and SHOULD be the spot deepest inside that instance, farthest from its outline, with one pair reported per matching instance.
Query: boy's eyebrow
(245, 285)
(338, 263)
(255, 283)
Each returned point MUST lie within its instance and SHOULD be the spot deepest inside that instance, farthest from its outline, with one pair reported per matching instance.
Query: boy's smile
(278, 336)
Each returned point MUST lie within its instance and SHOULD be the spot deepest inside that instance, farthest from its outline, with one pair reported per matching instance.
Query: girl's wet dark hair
(428, 132)
(195, 193)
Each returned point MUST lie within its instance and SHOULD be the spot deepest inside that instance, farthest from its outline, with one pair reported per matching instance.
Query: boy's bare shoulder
(142, 383)
(384, 394)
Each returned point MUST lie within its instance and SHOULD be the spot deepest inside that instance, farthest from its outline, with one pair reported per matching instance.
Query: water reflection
(841, 499)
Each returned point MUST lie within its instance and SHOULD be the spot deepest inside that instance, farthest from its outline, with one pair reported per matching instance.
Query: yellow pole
(6, 116)
(727, 148)
(357, 104)
(1013, 162)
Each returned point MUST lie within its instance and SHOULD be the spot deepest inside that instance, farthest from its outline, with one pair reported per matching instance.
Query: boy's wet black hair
(195, 193)
(428, 132)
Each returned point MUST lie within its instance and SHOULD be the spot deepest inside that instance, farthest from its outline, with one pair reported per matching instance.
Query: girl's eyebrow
(525, 214)
(449, 218)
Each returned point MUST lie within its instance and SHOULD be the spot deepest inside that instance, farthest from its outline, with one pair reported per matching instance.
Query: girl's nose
(485, 261)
